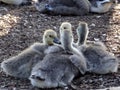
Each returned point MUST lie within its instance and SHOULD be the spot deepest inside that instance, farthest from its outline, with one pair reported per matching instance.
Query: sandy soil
(21, 26)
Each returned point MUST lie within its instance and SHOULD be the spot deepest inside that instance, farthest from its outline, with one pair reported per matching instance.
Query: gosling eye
(50, 36)
(65, 28)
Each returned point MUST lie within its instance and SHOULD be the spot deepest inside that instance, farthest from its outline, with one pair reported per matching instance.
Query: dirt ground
(20, 26)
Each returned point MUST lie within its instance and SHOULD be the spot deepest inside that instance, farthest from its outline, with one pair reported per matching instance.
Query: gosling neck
(82, 33)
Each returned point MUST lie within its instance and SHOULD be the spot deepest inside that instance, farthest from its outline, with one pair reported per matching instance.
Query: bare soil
(20, 26)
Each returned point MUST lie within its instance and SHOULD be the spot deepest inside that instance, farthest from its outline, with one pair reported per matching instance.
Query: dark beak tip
(59, 42)
(56, 40)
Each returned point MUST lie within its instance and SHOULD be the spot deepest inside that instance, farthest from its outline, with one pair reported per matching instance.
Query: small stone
(90, 81)
(93, 25)
(55, 27)
(98, 16)
(101, 79)
(96, 39)
(103, 34)
(30, 26)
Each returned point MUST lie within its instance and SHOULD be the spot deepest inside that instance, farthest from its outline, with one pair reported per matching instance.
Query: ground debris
(24, 25)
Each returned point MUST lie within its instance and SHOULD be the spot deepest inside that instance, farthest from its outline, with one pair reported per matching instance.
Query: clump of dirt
(20, 26)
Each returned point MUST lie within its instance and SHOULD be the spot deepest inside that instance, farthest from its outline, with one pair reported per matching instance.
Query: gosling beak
(56, 40)
(37, 77)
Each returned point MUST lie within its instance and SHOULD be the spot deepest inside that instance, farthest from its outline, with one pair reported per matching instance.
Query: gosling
(57, 69)
(74, 7)
(16, 2)
(21, 65)
(102, 6)
(99, 60)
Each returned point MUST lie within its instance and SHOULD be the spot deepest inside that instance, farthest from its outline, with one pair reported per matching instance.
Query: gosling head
(65, 26)
(50, 37)
(66, 35)
(82, 32)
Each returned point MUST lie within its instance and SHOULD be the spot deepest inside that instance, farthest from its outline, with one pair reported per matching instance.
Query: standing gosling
(21, 64)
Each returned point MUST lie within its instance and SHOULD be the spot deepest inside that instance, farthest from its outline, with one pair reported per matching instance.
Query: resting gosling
(99, 60)
(56, 69)
(16, 2)
(102, 6)
(74, 7)
(82, 33)
(21, 64)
